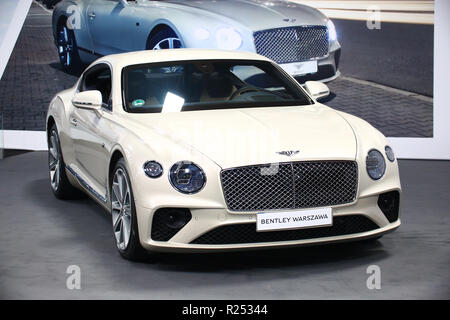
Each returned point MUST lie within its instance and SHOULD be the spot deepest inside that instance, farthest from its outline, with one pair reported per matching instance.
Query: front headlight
(375, 164)
(228, 38)
(332, 35)
(389, 153)
(187, 177)
(201, 34)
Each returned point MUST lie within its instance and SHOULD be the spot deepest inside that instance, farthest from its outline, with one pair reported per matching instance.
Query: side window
(98, 78)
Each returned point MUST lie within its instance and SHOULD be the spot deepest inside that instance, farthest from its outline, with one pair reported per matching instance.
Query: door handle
(74, 121)
(92, 15)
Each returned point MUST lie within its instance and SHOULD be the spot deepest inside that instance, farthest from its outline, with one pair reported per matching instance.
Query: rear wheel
(123, 212)
(164, 39)
(67, 48)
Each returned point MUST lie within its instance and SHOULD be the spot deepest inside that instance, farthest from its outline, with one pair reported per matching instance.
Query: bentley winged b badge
(289, 153)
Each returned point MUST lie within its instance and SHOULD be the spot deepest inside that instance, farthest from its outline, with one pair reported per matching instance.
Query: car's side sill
(90, 52)
(86, 185)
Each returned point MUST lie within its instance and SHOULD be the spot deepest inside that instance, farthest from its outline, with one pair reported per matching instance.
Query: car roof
(154, 56)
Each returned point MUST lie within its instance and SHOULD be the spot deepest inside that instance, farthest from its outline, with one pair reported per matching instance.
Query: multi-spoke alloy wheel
(121, 209)
(54, 161)
(123, 213)
(59, 182)
(164, 39)
(65, 46)
(67, 49)
(168, 43)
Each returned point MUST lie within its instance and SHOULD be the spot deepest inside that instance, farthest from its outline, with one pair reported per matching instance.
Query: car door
(89, 131)
(78, 22)
(112, 25)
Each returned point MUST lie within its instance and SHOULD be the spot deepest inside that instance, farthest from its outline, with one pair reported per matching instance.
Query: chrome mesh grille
(295, 185)
(292, 44)
(319, 184)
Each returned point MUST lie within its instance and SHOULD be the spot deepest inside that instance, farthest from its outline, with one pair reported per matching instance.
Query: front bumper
(204, 220)
(328, 69)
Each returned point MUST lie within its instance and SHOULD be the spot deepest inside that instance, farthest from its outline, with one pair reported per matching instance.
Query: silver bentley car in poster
(299, 38)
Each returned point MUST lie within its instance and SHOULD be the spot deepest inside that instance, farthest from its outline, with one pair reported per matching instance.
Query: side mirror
(90, 100)
(317, 89)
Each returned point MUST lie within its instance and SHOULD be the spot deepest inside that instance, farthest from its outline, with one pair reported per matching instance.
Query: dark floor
(395, 114)
(41, 236)
(392, 56)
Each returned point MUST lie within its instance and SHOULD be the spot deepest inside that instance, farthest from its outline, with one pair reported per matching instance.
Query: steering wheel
(242, 91)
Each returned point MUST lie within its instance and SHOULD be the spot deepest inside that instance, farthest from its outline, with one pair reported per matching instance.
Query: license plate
(270, 221)
(300, 68)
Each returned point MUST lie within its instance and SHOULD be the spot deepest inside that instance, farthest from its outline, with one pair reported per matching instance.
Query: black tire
(133, 251)
(161, 35)
(67, 49)
(63, 189)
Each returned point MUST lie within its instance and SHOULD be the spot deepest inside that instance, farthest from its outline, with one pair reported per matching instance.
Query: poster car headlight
(228, 38)
(332, 35)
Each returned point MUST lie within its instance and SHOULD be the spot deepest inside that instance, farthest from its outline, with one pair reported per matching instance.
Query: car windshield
(207, 85)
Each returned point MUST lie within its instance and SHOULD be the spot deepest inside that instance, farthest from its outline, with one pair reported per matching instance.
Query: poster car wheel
(187, 158)
(67, 48)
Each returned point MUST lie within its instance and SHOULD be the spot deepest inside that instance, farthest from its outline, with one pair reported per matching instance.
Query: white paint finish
(12, 16)
(240, 137)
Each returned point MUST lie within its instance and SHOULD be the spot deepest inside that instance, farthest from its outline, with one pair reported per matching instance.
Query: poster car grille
(294, 185)
(293, 44)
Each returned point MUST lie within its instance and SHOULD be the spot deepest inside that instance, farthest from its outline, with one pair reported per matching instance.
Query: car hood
(259, 14)
(239, 137)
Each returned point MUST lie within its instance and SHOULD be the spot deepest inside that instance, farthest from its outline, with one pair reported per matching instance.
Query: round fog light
(177, 219)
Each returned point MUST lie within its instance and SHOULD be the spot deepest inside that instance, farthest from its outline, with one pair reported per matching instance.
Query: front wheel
(123, 212)
(59, 182)
(164, 39)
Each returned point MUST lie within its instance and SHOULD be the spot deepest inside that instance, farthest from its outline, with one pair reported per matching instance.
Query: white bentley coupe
(194, 150)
